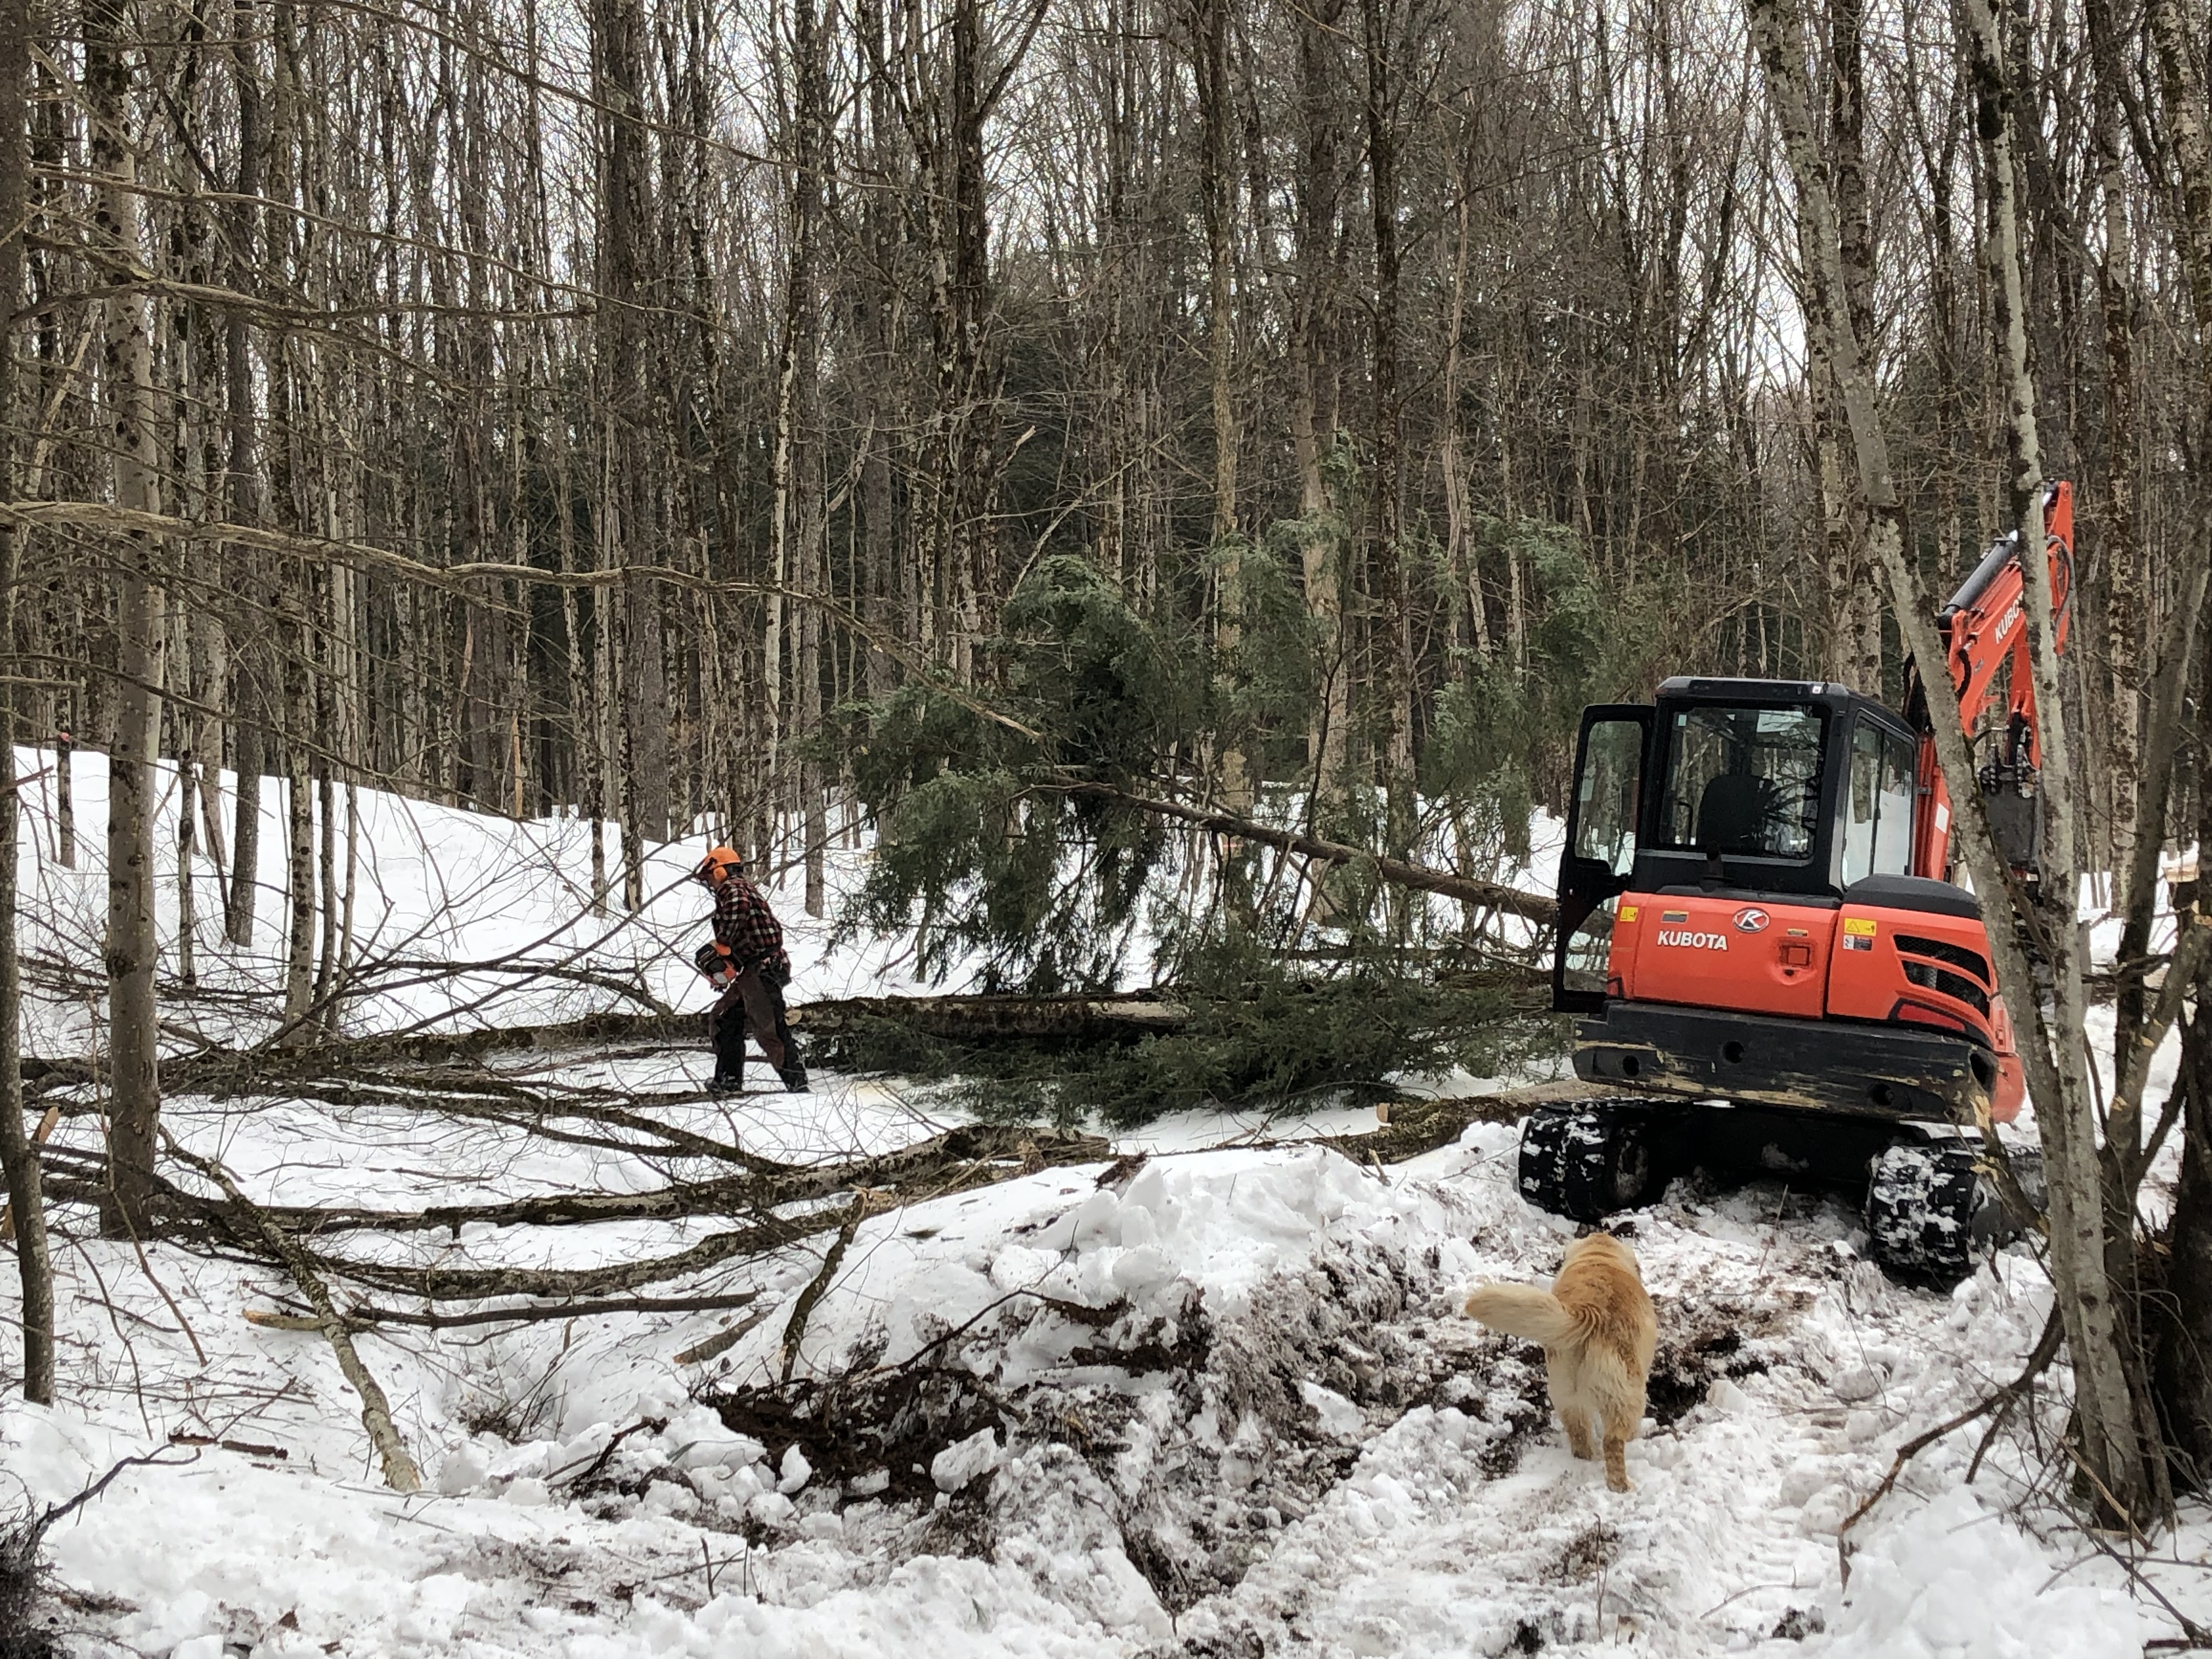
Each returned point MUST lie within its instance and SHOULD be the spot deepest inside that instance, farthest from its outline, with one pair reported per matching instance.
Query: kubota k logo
(1751, 919)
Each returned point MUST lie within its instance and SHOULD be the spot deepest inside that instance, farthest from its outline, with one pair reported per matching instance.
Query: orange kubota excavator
(1758, 927)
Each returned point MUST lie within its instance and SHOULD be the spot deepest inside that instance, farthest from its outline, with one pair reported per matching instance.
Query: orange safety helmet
(718, 860)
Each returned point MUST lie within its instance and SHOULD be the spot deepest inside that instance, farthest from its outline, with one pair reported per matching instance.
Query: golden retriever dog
(1599, 1333)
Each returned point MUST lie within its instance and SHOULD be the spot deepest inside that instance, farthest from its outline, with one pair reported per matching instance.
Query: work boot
(727, 1082)
(794, 1080)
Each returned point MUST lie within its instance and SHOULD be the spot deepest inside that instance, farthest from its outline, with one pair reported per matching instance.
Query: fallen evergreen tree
(1323, 934)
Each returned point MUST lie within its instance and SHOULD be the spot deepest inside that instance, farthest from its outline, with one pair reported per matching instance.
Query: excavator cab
(1762, 794)
(1744, 939)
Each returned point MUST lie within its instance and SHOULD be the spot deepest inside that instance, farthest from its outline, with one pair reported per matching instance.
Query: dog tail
(1524, 1311)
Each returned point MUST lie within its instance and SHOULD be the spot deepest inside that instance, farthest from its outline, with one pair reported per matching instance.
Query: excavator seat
(1734, 811)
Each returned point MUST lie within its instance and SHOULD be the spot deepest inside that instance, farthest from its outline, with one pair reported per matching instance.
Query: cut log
(998, 1018)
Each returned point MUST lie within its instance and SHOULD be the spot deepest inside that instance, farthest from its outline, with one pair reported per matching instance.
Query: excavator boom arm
(1985, 628)
(1986, 621)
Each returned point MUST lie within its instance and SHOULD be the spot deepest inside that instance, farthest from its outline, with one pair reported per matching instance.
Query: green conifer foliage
(975, 849)
(1260, 1038)
(1504, 733)
(1294, 999)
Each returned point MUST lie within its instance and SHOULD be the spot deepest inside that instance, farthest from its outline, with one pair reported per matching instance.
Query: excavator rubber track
(1933, 1206)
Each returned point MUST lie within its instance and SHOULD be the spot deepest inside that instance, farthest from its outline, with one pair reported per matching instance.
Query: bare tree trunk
(299, 878)
(1855, 614)
(26, 1207)
(326, 872)
(2124, 614)
(584, 718)
(2185, 1378)
(2183, 1355)
(1321, 542)
(2187, 118)
(187, 916)
(127, 350)
(799, 447)
(2107, 1363)
(606, 728)
(2053, 1056)
(211, 673)
(2181, 1318)
(1209, 60)
(246, 831)
(645, 702)
(1461, 559)
(242, 490)
(784, 467)
(1394, 672)
(624, 193)
(330, 1021)
(18, 1157)
(65, 799)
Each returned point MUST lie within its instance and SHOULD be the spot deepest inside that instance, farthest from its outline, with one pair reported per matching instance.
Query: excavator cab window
(1878, 803)
(1606, 793)
(1742, 781)
(1595, 864)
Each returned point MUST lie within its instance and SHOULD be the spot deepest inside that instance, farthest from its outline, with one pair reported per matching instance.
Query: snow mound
(1957, 1580)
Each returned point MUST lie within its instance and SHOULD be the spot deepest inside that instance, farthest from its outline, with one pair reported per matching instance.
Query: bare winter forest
(1085, 495)
(571, 408)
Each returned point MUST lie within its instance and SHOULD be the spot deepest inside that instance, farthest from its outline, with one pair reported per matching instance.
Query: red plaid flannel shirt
(745, 923)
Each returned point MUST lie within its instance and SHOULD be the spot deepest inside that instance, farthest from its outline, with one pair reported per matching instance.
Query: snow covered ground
(1183, 1399)
(1248, 1419)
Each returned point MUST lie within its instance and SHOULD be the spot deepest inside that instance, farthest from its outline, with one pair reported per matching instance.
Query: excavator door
(1600, 848)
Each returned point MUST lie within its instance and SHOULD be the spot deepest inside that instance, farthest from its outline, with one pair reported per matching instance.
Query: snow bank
(1956, 1579)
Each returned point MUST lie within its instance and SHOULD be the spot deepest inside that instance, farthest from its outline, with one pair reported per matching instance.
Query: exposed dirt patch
(1587, 1554)
(1518, 1401)
(1192, 1441)
(1698, 1345)
(1799, 1622)
(889, 1422)
(1241, 1642)
(1197, 1475)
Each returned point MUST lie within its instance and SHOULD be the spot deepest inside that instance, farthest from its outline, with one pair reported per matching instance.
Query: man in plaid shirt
(748, 962)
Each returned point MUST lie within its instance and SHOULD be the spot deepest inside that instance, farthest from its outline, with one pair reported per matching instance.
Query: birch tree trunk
(2108, 1358)
(2050, 1049)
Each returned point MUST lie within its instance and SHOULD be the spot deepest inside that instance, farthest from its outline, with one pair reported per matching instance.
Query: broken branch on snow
(400, 1470)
